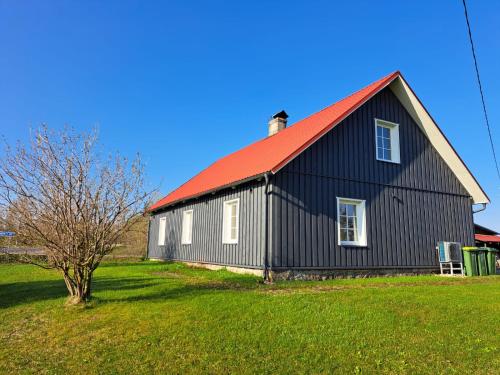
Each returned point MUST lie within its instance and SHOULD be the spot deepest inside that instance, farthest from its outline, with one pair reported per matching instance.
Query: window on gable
(351, 222)
(187, 227)
(387, 141)
(161, 231)
(230, 221)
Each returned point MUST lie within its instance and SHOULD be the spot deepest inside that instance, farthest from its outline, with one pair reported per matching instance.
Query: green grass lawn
(166, 318)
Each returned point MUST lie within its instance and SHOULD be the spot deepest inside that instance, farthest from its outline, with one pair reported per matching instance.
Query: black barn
(368, 184)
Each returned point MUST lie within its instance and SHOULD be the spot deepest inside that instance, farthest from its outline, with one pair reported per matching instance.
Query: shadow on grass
(20, 293)
(185, 291)
(136, 262)
(187, 282)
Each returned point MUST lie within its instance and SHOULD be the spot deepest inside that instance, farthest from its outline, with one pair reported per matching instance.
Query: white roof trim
(420, 115)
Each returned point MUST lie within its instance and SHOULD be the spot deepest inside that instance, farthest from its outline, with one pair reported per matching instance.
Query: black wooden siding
(206, 245)
(409, 206)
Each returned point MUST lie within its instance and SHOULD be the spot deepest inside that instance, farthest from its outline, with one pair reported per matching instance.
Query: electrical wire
(481, 90)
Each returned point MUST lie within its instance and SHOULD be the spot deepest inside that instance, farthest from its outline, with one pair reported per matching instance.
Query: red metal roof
(272, 153)
(487, 238)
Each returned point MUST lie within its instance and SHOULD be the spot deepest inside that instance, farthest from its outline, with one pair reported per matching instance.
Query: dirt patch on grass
(24, 327)
(223, 285)
(304, 290)
(280, 290)
(197, 282)
(290, 287)
(168, 274)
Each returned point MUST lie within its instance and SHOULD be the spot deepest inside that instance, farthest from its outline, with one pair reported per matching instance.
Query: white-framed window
(230, 221)
(351, 222)
(187, 227)
(387, 141)
(161, 231)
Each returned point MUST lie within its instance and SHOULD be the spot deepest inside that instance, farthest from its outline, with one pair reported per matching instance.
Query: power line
(481, 90)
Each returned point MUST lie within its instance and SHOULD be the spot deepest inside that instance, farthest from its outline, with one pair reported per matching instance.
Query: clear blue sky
(185, 83)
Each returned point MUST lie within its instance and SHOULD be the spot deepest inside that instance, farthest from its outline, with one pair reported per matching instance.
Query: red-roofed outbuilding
(486, 237)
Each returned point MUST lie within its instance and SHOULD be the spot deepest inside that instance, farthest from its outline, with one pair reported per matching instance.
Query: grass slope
(167, 318)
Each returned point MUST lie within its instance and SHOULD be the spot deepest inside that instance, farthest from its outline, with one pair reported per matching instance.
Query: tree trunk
(79, 286)
(69, 284)
(87, 286)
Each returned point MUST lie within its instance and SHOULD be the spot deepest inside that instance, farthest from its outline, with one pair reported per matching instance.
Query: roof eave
(207, 192)
(419, 113)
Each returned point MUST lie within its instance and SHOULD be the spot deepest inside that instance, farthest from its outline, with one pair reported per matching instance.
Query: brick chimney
(277, 123)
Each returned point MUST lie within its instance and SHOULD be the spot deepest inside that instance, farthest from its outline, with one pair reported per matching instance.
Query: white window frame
(226, 222)
(187, 227)
(394, 134)
(162, 229)
(360, 221)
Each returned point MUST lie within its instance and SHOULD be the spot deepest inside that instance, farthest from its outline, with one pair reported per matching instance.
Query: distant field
(166, 318)
(121, 251)
(127, 251)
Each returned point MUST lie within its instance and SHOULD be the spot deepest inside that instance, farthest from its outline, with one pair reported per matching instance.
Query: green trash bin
(481, 262)
(470, 261)
(491, 260)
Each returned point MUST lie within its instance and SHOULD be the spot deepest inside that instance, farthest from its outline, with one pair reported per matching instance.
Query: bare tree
(64, 197)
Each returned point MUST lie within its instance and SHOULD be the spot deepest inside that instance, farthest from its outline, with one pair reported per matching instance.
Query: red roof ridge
(385, 80)
(395, 73)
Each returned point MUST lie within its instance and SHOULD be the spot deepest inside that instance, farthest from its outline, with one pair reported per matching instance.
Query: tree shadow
(19, 293)
(26, 292)
(187, 282)
(130, 263)
(185, 291)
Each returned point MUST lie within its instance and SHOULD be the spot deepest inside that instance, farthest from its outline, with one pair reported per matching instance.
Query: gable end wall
(410, 206)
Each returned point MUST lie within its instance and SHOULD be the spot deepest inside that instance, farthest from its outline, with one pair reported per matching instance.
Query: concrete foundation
(216, 267)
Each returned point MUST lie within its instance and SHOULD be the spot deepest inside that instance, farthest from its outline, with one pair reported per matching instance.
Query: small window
(230, 221)
(387, 141)
(187, 227)
(161, 231)
(351, 222)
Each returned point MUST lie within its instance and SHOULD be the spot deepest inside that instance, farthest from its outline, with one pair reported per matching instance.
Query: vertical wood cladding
(206, 245)
(409, 206)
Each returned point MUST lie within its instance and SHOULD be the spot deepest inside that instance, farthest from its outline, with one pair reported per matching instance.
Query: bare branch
(61, 195)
